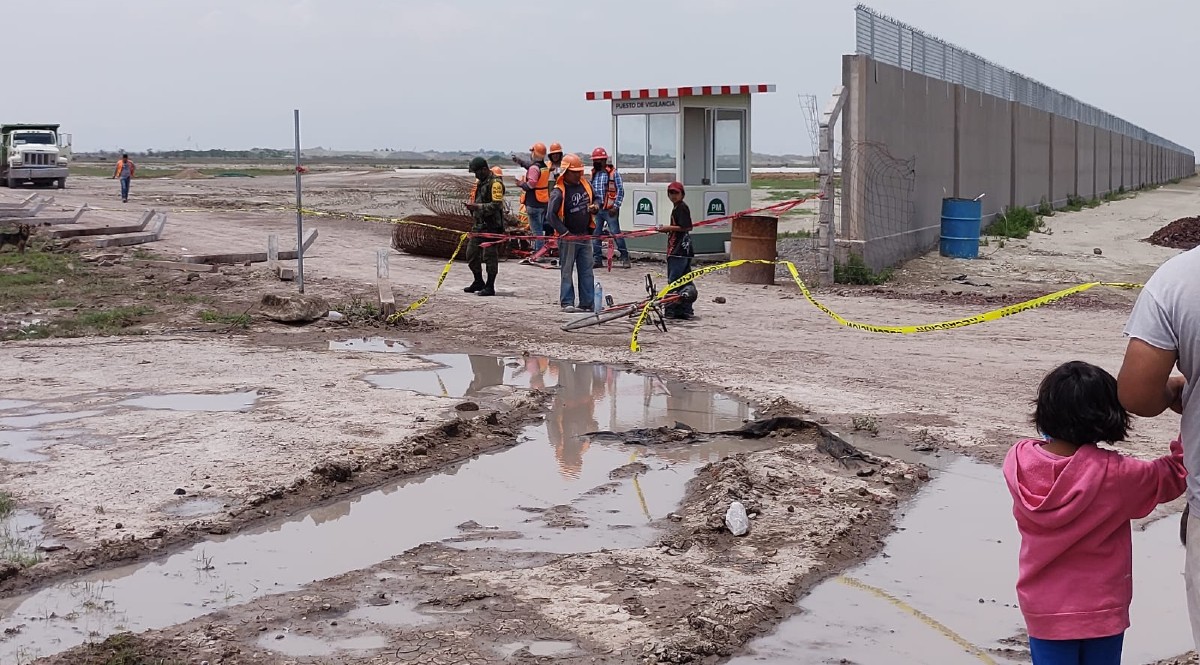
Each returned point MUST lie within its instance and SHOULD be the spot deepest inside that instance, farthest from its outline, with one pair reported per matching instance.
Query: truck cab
(34, 153)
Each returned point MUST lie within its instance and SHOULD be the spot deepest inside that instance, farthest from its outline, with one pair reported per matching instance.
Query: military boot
(489, 289)
(476, 285)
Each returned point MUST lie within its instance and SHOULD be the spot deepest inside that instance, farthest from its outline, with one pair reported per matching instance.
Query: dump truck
(34, 153)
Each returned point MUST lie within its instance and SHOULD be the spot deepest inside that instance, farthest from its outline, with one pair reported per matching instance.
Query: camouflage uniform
(488, 218)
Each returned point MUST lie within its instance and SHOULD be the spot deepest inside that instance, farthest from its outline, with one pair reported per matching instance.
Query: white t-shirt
(1167, 316)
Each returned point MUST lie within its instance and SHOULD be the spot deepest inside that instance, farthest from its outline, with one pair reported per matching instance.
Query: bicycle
(613, 312)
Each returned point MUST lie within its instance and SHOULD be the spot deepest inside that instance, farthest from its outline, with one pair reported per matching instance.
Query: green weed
(1045, 209)
(856, 271)
(241, 321)
(1015, 222)
(802, 233)
(7, 504)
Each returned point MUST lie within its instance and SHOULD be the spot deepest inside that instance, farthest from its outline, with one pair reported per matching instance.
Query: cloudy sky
(465, 74)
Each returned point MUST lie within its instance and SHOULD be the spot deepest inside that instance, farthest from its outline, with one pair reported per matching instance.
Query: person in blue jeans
(610, 190)
(125, 169)
(570, 213)
(679, 249)
(535, 191)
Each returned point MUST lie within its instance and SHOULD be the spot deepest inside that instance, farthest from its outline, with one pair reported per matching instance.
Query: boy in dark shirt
(679, 247)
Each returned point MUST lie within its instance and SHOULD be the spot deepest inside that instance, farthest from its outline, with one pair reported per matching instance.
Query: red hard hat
(598, 154)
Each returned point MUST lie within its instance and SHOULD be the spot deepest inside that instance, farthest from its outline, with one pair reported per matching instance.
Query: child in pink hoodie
(1073, 502)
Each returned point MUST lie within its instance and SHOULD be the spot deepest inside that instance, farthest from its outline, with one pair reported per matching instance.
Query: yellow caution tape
(638, 488)
(441, 280)
(922, 617)
(901, 330)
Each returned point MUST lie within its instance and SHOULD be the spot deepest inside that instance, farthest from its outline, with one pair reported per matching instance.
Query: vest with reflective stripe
(610, 191)
(561, 186)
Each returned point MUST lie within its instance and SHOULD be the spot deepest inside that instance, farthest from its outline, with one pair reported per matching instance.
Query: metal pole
(299, 213)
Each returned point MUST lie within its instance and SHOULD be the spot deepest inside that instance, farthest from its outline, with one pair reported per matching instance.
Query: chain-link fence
(895, 43)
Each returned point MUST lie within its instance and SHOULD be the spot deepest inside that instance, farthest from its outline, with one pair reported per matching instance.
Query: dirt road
(288, 405)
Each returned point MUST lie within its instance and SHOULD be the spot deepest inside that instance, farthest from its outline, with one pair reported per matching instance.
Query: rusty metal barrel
(754, 237)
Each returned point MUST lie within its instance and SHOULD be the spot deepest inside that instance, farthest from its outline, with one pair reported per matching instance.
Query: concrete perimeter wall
(963, 143)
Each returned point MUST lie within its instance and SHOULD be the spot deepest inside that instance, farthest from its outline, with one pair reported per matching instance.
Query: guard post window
(631, 147)
(729, 139)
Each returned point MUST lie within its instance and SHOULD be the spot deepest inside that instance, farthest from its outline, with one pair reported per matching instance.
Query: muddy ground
(313, 430)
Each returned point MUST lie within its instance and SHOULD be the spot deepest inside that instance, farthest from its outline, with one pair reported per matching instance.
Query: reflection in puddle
(369, 345)
(294, 645)
(958, 545)
(41, 419)
(540, 648)
(536, 490)
(589, 397)
(194, 507)
(196, 402)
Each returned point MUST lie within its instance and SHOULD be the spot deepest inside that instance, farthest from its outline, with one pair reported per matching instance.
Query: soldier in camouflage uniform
(487, 208)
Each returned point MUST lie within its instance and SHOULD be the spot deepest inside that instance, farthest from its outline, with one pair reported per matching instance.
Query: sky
(471, 74)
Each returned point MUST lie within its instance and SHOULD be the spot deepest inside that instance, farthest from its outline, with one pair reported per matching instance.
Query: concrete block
(1031, 156)
(984, 150)
(1062, 160)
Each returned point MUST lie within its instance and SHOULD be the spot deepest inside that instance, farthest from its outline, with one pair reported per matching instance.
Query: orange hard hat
(572, 162)
(497, 171)
(538, 149)
(599, 154)
(556, 147)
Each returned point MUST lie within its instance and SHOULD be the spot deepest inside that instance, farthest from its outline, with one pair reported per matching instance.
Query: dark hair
(1077, 403)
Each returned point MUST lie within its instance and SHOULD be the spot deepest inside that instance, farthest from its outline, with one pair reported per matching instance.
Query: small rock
(159, 533)
(467, 406)
(180, 492)
(865, 473)
(791, 509)
(720, 300)
(206, 487)
(120, 526)
(1098, 251)
(335, 316)
(61, 282)
(981, 601)
(262, 629)
(279, 636)
(675, 517)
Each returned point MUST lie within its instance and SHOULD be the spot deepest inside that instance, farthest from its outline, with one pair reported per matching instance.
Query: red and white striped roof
(695, 91)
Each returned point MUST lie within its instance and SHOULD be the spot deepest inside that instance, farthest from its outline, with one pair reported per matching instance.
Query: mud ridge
(332, 479)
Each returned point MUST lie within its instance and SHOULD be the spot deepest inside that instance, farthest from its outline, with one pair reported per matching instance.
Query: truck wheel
(62, 183)
(12, 183)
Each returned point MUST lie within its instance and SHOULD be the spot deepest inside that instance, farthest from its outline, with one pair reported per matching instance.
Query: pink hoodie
(1076, 564)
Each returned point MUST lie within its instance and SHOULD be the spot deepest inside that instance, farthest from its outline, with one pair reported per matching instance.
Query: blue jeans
(576, 256)
(125, 188)
(537, 224)
(678, 266)
(609, 219)
(1098, 651)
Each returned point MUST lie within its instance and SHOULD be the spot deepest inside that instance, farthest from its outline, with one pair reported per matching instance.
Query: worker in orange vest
(125, 169)
(607, 184)
(571, 210)
(535, 190)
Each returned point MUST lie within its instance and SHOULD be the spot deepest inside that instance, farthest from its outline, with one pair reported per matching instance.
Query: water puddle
(13, 404)
(950, 571)
(398, 613)
(43, 419)
(22, 539)
(551, 493)
(240, 401)
(539, 648)
(194, 508)
(299, 646)
(369, 345)
(22, 446)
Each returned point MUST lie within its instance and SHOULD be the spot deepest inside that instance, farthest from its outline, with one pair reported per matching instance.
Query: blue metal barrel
(961, 219)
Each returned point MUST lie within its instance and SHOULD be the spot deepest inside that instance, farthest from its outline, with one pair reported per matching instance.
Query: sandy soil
(966, 390)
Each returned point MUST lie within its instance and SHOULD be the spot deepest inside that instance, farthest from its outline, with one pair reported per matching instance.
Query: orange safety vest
(121, 165)
(561, 186)
(610, 192)
(541, 189)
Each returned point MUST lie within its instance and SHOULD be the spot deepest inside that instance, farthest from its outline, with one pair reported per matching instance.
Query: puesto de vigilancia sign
(632, 106)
